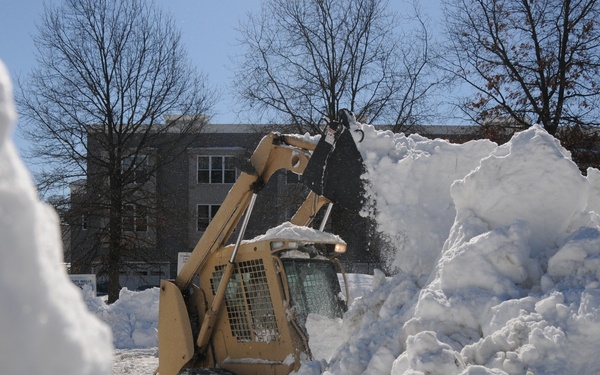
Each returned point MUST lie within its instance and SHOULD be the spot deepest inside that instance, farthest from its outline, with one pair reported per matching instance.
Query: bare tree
(306, 59)
(96, 108)
(528, 60)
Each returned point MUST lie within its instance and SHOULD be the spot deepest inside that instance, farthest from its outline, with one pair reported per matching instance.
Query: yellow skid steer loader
(242, 308)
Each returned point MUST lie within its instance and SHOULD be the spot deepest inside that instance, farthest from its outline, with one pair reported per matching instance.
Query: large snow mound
(508, 242)
(45, 327)
(409, 179)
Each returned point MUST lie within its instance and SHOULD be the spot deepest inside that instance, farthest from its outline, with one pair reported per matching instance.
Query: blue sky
(208, 29)
(207, 26)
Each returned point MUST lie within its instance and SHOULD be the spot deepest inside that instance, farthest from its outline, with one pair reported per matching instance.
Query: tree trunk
(115, 239)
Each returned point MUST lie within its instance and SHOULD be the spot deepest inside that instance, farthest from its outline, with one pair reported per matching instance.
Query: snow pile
(373, 327)
(514, 288)
(45, 327)
(409, 184)
(133, 318)
(531, 178)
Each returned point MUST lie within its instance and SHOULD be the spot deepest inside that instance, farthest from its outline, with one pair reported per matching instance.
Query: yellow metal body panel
(175, 339)
(252, 333)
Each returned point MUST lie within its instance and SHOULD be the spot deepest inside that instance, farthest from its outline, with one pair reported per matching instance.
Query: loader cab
(254, 323)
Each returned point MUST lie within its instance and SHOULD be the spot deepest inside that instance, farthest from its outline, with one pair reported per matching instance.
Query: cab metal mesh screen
(248, 302)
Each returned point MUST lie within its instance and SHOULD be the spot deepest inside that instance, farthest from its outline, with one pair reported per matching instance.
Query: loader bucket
(175, 340)
(336, 165)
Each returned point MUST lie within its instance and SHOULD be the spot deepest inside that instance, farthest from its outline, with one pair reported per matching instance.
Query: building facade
(181, 198)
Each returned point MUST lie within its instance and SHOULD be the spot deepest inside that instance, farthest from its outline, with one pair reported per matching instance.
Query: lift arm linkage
(274, 152)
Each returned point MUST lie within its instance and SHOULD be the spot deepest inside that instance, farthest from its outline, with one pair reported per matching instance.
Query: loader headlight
(340, 248)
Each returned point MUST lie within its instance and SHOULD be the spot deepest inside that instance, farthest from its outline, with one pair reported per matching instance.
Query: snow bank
(531, 178)
(133, 318)
(44, 324)
(409, 187)
(514, 286)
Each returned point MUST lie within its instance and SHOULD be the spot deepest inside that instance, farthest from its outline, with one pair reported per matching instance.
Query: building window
(135, 218)
(216, 170)
(135, 168)
(205, 213)
(84, 222)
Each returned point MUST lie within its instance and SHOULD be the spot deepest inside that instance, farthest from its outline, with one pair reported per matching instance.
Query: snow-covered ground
(497, 252)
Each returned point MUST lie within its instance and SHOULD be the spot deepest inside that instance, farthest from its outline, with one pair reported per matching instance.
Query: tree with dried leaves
(528, 61)
(306, 59)
(95, 110)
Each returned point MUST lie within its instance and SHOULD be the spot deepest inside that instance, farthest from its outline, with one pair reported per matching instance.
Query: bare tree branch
(528, 60)
(97, 109)
(306, 59)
